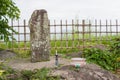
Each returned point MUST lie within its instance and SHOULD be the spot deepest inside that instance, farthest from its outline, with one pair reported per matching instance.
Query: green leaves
(115, 47)
(105, 59)
(8, 10)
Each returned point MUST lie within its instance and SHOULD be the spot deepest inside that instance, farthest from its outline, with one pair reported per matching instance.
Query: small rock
(6, 54)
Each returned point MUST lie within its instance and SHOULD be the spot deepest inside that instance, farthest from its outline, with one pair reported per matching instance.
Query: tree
(8, 10)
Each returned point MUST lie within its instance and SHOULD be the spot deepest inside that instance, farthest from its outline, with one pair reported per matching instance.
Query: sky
(71, 9)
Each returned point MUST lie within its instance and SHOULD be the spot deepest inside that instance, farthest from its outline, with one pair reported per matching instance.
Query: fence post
(83, 32)
(12, 35)
(39, 36)
(24, 34)
(18, 35)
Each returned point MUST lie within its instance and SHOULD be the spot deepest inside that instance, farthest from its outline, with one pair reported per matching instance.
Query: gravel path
(25, 64)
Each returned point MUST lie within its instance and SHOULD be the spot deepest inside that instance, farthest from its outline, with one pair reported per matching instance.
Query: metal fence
(70, 34)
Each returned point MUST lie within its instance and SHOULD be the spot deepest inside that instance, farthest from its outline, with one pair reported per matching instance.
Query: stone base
(33, 61)
(39, 58)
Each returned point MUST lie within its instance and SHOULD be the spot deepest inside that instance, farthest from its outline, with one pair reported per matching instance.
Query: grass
(61, 46)
(108, 59)
(7, 73)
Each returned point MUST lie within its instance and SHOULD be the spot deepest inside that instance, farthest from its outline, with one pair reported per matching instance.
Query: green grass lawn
(64, 46)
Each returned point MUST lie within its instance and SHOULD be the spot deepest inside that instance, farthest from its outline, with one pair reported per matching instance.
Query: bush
(115, 46)
(41, 74)
(108, 59)
(37, 74)
(105, 59)
(26, 74)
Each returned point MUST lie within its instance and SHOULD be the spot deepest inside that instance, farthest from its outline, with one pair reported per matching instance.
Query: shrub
(26, 74)
(105, 59)
(115, 46)
(41, 73)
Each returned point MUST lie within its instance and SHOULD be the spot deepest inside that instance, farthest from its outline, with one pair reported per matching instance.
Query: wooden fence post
(24, 34)
(83, 34)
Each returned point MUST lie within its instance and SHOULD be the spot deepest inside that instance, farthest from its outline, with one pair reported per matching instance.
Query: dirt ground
(25, 64)
(88, 72)
(66, 72)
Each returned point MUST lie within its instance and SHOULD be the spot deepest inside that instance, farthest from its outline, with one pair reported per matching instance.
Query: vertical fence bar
(55, 33)
(66, 35)
(61, 34)
(25, 34)
(110, 29)
(12, 34)
(117, 27)
(100, 31)
(72, 34)
(18, 36)
(90, 30)
(106, 30)
(78, 34)
(83, 29)
(96, 30)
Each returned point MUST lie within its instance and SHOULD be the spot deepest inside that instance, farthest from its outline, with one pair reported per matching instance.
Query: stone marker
(39, 36)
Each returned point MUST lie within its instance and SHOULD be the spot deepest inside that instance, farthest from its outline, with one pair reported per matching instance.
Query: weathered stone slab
(39, 36)
(88, 72)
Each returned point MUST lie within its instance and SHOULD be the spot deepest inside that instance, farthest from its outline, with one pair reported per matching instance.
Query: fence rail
(77, 34)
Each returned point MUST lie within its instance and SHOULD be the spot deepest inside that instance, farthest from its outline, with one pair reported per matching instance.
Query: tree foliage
(8, 10)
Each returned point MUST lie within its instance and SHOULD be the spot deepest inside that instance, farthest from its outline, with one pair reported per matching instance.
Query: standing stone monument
(39, 36)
